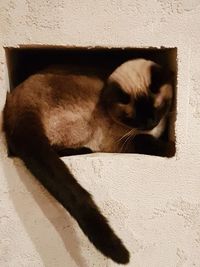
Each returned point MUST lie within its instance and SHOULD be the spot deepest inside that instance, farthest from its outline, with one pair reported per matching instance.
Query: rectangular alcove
(26, 60)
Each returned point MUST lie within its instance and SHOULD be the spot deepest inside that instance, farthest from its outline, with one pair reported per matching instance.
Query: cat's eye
(121, 96)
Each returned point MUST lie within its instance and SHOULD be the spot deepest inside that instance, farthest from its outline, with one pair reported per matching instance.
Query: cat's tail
(28, 141)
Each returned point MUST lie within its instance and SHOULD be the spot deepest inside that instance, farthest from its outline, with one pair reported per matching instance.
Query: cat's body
(59, 112)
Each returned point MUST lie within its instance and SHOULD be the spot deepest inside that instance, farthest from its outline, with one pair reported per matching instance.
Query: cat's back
(63, 102)
(54, 88)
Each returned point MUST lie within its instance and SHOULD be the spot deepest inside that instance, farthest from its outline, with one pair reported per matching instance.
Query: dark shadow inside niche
(26, 60)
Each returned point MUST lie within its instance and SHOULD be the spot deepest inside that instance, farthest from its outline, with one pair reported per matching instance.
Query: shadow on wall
(40, 234)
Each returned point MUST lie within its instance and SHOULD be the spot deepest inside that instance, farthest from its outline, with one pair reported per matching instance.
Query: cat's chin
(157, 130)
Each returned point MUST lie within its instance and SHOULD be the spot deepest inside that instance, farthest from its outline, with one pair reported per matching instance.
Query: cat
(58, 112)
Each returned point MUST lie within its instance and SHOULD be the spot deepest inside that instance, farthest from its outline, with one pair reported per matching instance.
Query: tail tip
(121, 255)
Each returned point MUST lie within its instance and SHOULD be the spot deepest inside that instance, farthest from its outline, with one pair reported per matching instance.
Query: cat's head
(138, 94)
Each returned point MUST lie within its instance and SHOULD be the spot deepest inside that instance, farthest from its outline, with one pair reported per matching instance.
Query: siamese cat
(57, 112)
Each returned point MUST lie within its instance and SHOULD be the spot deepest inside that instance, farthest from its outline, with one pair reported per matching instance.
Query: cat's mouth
(150, 125)
(147, 125)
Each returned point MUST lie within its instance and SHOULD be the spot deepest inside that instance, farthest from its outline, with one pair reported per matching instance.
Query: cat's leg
(62, 152)
(147, 144)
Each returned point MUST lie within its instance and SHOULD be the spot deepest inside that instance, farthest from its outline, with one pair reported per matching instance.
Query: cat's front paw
(84, 150)
(147, 144)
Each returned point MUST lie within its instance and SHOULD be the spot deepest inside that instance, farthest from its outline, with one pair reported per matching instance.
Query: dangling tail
(27, 140)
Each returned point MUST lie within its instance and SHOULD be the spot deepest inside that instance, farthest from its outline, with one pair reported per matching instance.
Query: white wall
(153, 203)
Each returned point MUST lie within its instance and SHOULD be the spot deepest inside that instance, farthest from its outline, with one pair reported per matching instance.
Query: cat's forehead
(134, 76)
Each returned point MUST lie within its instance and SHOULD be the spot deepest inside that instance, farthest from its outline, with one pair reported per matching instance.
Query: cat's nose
(147, 126)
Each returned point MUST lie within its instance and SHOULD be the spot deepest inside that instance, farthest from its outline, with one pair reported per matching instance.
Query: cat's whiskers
(129, 135)
(130, 138)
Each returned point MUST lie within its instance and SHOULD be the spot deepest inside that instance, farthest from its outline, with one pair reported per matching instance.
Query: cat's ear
(159, 76)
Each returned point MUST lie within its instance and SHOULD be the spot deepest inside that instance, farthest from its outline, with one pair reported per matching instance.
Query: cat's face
(138, 94)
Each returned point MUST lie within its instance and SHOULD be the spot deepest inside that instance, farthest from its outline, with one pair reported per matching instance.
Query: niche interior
(24, 61)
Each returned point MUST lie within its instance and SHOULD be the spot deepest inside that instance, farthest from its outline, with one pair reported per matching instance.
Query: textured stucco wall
(153, 203)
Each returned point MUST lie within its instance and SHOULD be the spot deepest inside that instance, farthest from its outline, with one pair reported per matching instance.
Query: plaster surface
(153, 203)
